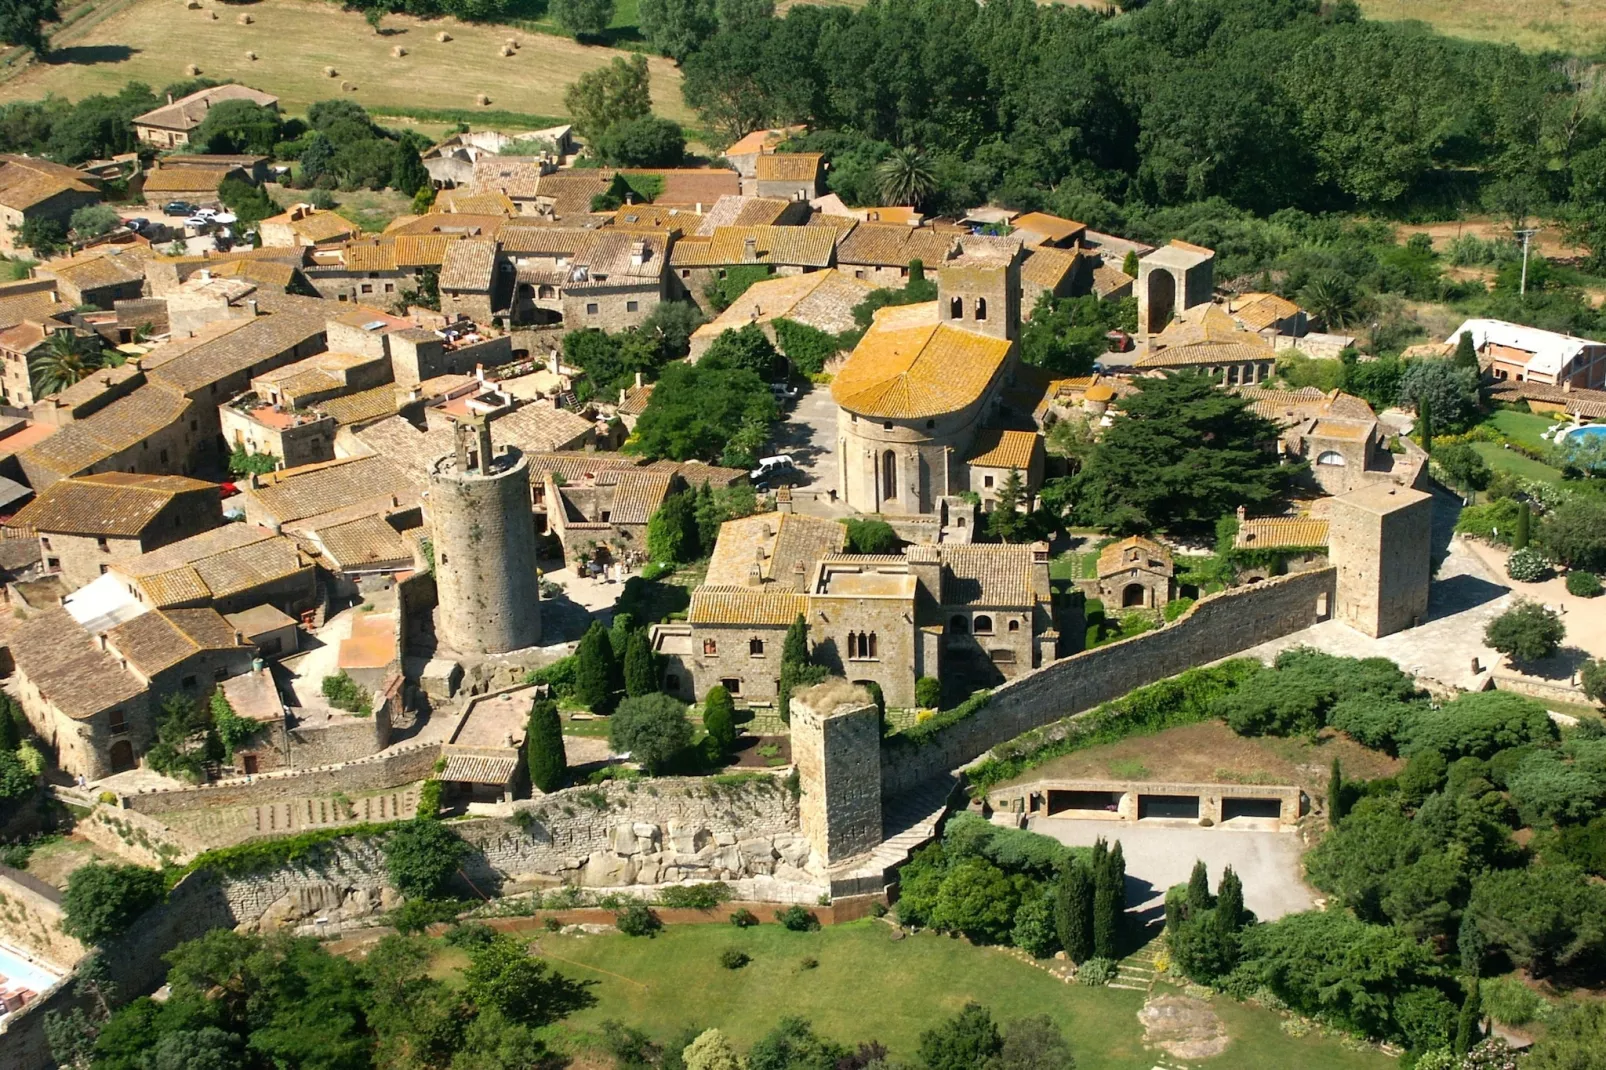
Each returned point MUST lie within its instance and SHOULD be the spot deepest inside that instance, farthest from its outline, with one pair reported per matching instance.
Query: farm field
(916, 982)
(154, 40)
(1569, 25)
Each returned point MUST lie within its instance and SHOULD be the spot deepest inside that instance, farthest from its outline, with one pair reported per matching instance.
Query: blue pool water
(18, 972)
(1593, 431)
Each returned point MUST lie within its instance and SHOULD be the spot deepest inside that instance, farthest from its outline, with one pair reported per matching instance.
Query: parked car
(778, 477)
(768, 467)
(138, 225)
(785, 391)
(179, 208)
(1120, 341)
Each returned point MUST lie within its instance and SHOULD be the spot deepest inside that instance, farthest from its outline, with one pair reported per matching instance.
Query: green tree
(1109, 904)
(1335, 794)
(1467, 1022)
(23, 22)
(1199, 898)
(583, 18)
(67, 357)
(725, 291)
(649, 141)
(712, 1050)
(1574, 1042)
(928, 692)
(233, 731)
(617, 93)
(16, 782)
(1449, 392)
(1129, 265)
(1592, 677)
(670, 324)
(978, 899)
(1006, 522)
(1229, 915)
(503, 976)
(93, 220)
(1182, 453)
(795, 666)
(675, 28)
(239, 126)
(641, 665)
(1466, 353)
(1464, 465)
(43, 234)
(1034, 1043)
(1543, 918)
(719, 718)
(1527, 632)
(102, 900)
(700, 411)
(596, 670)
(1574, 533)
(1519, 540)
(1424, 420)
(422, 856)
(408, 176)
(871, 537)
(248, 202)
(746, 348)
(653, 729)
(964, 1042)
(181, 739)
(906, 178)
(543, 747)
(672, 533)
(1073, 911)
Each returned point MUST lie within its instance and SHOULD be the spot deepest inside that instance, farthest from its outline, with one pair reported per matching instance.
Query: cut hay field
(153, 40)
(1567, 25)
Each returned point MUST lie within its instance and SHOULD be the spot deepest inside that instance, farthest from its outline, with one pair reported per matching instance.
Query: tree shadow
(87, 55)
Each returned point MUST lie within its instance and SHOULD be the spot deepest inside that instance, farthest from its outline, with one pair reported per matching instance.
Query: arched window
(861, 645)
(982, 625)
(710, 648)
(755, 648)
(889, 475)
(1014, 625)
(981, 308)
(956, 308)
(547, 292)
(1332, 457)
(958, 625)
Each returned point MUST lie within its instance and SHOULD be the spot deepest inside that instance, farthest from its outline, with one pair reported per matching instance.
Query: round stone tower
(484, 540)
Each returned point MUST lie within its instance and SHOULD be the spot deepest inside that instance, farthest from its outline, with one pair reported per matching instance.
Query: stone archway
(1132, 596)
(122, 756)
(1159, 291)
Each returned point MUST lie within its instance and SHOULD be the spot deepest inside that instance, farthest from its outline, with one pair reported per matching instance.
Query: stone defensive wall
(1215, 627)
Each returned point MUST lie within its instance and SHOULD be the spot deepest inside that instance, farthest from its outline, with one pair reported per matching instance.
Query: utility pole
(1526, 236)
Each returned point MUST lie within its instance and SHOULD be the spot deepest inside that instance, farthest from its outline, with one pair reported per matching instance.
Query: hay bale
(348, 87)
(191, 71)
(506, 51)
(443, 37)
(398, 51)
(482, 100)
(245, 19)
(330, 72)
(512, 42)
(250, 55)
(192, 5)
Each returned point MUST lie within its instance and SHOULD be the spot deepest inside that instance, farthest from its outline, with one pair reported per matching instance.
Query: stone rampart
(138, 838)
(1213, 628)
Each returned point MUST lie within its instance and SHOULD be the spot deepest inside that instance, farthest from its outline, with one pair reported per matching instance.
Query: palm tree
(65, 359)
(1329, 299)
(905, 177)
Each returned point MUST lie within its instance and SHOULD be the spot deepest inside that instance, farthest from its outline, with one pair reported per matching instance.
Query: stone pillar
(836, 743)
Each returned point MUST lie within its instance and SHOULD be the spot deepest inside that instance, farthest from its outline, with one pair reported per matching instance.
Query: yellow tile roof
(820, 299)
(369, 255)
(1107, 280)
(114, 503)
(1051, 227)
(422, 250)
(900, 371)
(745, 605)
(1115, 557)
(1047, 267)
(364, 405)
(789, 166)
(1259, 311)
(186, 179)
(792, 246)
(1004, 449)
(1281, 533)
(1195, 354)
(894, 245)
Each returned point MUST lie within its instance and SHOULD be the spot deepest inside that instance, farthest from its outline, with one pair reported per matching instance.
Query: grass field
(1504, 460)
(868, 986)
(153, 40)
(1569, 25)
(1523, 428)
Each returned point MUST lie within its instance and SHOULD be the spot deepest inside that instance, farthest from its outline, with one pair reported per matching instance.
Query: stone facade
(1135, 573)
(1172, 279)
(1380, 538)
(836, 743)
(1090, 799)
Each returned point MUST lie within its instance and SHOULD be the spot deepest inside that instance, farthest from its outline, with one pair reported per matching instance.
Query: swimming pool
(18, 972)
(1587, 431)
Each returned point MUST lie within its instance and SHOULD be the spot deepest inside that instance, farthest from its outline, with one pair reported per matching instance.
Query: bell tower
(978, 286)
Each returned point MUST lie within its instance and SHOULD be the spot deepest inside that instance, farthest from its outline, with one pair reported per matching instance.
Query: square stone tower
(1380, 538)
(836, 743)
(978, 285)
(1172, 279)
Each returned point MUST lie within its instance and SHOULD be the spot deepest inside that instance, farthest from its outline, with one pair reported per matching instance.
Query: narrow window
(981, 309)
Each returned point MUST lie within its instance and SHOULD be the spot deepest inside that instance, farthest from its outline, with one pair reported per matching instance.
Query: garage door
(1069, 803)
(1169, 806)
(1231, 808)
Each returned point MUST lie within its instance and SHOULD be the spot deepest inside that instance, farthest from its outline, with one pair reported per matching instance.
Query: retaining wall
(405, 765)
(30, 919)
(1213, 628)
(138, 838)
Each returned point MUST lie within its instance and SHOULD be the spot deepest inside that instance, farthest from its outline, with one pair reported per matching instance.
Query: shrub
(344, 693)
(101, 901)
(809, 963)
(798, 919)
(421, 856)
(1527, 565)
(1096, 972)
(928, 692)
(1583, 584)
(695, 896)
(651, 728)
(871, 537)
(1592, 676)
(744, 918)
(416, 915)
(1478, 725)
(1510, 1002)
(719, 719)
(732, 959)
(638, 919)
(1527, 631)
(1176, 608)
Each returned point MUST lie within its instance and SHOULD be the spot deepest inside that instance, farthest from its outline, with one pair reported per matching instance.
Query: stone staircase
(1136, 972)
(908, 822)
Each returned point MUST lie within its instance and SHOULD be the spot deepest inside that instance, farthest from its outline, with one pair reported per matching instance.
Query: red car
(1120, 341)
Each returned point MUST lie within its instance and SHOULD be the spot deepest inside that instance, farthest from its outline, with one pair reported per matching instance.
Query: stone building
(1135, 573)
(470, 281)
(88, 524)
(1339, 436)
(304, 225)
(994, 455)
(1205, 338)
(615, 281)
(922, 384)
(790, 176)
(880, 253)
(823, 300)
(836, 744)
(33, 189)
(1171, 280)
(230, 569)
(100, 276)
(697, 262)
(484, 538)
(1380, 538)
(171, 124)
(155, 429)
(1278, 545)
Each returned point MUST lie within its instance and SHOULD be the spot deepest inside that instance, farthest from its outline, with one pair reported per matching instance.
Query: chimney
(749, 250)
(638, 253)
(239, 638)
(55, 297)
(252, 306)
(1241, 513)
(205, 274)
(638, 380)
(101, 638)
(170, 98)
(783, 500)
(622, 391)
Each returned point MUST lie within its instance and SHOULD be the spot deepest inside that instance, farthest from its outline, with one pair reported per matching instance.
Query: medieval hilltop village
(634, 591)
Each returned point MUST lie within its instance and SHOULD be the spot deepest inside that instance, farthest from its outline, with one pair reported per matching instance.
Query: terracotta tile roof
(315, 225)
(23, 338)
(187, 179)
(297, 493)
(1194, 354)
(1118, 555)
(569, 193)
(124, 423)
(113, 503)
(39, 301)
(787, 540)
(422, 250)
(820, 299)
(491, 202)
(106, 266)
(362, 406)
(1045, 227)
(692, 252)
(1047, 268)
(68, 667)
(789, 166)
(745, 605)
(893, 245)
(511, 176)
(186, 113)
(636, 398)
(468, 265)
(611, 258)
(1281, 533)
(1593, 408)
(370, 254)
(656, 217)
(986, 575)
(907, 370)
(98, 383)
(533, 239)
(1004, 449)
(25, 181)
(638, 495)
(760, 140)
(466, 767)
(540, 427)
(1107, 280)
(255, 342)
(691, 186)
(215, 564)
(1257, 311)
(461, 224)
(368, 542)
(791, 246)
(156, 641)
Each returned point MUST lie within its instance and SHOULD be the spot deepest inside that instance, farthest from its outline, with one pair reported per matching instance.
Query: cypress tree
(917, 271)
(10, 736)
(543, 746)
(1117, 866)
(641, 667)
(1198, 890)
(794, 655)
(1129, 265)
(1470, 944)
(719, 718)
(594, 670)
(1467, 1029)
(1229, 915)
(1106, 913)
(1525, 516)
(1424, 418)
(1335, 794)
(707, 514)
(1073, 911)
(1466, 354)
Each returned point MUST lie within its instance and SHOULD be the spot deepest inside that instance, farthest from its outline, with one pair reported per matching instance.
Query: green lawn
(1523, 428)
(868, 986)
(1504, 460)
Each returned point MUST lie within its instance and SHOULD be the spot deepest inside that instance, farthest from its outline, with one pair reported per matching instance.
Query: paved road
(808, 433)
(1160, 855)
